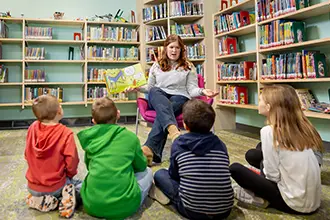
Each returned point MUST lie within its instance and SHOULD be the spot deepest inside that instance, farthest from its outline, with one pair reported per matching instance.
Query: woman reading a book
(172, 81)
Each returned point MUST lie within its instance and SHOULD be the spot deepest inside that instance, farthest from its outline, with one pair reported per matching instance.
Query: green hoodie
(112, 156)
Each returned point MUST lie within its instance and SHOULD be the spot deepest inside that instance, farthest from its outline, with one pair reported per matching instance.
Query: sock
(42, 203)
(68, 202)
(173, 132)
(149, 154)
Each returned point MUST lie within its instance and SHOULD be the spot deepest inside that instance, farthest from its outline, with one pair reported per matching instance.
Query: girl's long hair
(164, 62)
(291, 128)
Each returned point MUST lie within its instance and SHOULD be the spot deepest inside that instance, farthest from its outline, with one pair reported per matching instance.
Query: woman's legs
(259, 185)
(167, 108)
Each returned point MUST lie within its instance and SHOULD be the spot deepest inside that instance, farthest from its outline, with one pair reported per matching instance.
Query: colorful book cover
(118, 80)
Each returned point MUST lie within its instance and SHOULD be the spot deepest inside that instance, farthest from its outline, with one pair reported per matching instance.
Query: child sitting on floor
(118, 179)
(198, 179)
(52, 159)
(290, 177)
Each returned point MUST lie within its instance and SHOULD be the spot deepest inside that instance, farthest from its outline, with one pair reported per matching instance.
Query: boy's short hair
(45, 107)
(198, 116)
(104, 111)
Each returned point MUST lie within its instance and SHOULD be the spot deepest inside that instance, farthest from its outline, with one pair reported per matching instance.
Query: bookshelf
(71, 75)
(226, 113)
(181, 18)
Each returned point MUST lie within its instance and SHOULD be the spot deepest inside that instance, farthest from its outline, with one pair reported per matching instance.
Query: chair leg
(137, 121)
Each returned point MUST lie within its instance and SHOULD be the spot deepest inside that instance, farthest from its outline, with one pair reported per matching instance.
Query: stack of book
(3, 74)
(35, 53)
(182, 8)
(233, 94)
(112, 34)
(305, 64)
(38, 75)
(40, 33)
(155, 33)
(3, 29)
(33, 93)
(245, 70)
(227, 45)
(187, 30)
(229, 22)
(196, 51)
(282, 32)
(112, 53)
(154, 12)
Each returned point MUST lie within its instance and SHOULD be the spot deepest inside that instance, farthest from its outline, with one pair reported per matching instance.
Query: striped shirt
(204, 180)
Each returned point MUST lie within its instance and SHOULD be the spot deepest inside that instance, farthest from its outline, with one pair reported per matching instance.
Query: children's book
(118, 80)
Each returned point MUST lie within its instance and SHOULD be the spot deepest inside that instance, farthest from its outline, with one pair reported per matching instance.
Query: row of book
(32, 93)
(113, 53)
(245, 70)
(154, 12)
(100, 92)
(182, 8)
(155, 33)
(266, 9)
(195, 51)
(187, 30)
(310, 102)
(95, 75)
(229, 22)
(305, 64)
(35, 53)
(3, 74)
(112, 34)
(282, 32)
(3, 29)
(230, 94)
(227, 45)
(38, 75)
(45, 33)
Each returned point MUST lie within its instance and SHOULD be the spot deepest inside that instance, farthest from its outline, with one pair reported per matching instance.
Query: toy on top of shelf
(5, 14)
(58, 15)
(119, 18)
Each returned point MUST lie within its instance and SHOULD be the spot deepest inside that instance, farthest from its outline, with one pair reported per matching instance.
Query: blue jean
(58, 193)
(144, 179)
(170, 188)
(167, 107)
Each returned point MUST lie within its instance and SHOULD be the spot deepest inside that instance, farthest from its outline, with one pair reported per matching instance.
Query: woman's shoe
(149, 155)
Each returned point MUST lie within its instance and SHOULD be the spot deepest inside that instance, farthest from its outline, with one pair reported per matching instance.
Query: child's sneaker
(156, 194)
(248, 197)
(42, 203)
(68, 202)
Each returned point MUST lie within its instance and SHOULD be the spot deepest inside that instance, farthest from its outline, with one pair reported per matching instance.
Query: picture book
(118, 80)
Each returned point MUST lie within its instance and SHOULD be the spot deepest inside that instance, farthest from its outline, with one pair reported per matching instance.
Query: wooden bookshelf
(237, 55)
(197, 60)
(162, 21)
(113, 42)
(54, 83)
(70, 42)
(310, 43)
(295, 80)
(186, 18)
(302, 14)
(117, 102)
(244, 106)
(11, 40)
(247, 4)
(236, 81)
(156, 42)
(226, 112)
(240, 31)
(11, 84)
(84, 62)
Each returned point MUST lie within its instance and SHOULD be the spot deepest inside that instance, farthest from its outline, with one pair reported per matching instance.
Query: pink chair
(150, 115)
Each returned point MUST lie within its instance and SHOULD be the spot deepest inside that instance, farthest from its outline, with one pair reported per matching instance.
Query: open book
(117, 80)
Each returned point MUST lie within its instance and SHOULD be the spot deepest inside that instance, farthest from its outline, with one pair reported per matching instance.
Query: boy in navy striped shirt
(198, 179)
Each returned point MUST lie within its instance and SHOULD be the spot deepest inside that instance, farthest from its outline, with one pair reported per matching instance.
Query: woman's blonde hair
(164, 62)
(291, 128)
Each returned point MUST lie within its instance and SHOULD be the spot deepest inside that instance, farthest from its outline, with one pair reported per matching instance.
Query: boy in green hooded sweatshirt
(118, 179)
